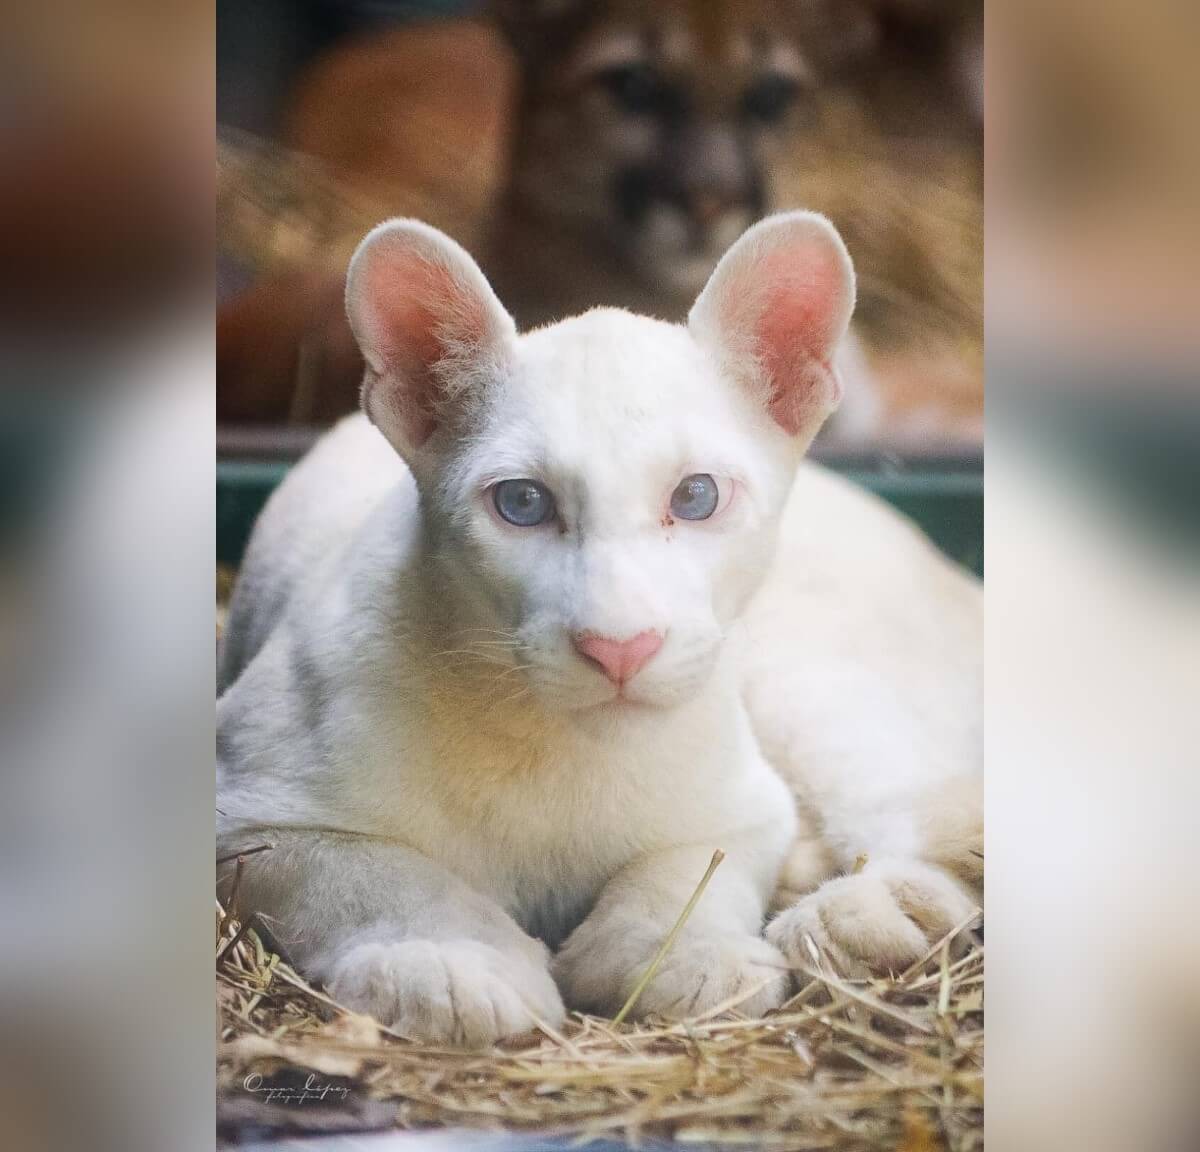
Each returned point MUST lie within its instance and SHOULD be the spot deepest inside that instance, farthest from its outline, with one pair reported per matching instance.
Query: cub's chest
(543, 850)
(541, 823)
(544, 836)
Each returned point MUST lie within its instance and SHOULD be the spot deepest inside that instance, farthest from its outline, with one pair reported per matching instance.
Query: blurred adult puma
(606, 153)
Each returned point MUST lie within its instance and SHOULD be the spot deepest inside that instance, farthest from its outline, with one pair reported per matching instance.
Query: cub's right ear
(429, 326)
(775, 309)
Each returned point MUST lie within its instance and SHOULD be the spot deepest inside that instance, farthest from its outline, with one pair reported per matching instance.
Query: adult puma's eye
(696, 497)
(525, 503)
(769, 98)
(637, 88)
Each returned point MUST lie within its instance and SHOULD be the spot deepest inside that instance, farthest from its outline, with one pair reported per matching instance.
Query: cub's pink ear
(430, 328)
(774, 311)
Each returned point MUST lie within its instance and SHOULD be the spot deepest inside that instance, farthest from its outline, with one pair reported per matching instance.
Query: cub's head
(602, 495)
(654, 125)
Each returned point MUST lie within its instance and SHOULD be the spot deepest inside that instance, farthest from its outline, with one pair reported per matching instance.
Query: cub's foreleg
(887, 913)
(719, 956)
(394, 934)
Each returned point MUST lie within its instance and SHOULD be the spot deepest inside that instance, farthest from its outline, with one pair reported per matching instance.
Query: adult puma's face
(652, 126)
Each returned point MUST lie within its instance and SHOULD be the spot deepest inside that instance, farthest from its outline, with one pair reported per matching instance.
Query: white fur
(448, 784)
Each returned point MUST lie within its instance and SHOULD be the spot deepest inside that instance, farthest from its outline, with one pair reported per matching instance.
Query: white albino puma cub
(502, 669)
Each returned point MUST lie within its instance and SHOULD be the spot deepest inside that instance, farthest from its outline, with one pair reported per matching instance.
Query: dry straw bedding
(893, 1063)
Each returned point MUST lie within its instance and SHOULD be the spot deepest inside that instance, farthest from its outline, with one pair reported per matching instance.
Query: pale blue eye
(525, 503)
(695, 498)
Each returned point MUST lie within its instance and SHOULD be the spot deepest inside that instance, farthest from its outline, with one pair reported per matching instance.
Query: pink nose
(620, 660)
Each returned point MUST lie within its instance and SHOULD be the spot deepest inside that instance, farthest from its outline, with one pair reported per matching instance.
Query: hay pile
(888, 1064)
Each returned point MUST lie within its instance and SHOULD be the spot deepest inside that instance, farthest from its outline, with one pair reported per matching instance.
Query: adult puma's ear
(430, 328)
(774, 311)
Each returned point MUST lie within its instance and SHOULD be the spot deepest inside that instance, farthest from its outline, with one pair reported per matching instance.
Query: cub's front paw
(883, 918)
(446, 992)
(698, 974)
(695, 978)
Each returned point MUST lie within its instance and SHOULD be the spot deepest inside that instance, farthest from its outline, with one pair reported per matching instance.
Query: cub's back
(309, 520)
(861, 612)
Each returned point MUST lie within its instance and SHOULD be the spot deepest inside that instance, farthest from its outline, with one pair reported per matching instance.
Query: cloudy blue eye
(525, 503)
(696, 497)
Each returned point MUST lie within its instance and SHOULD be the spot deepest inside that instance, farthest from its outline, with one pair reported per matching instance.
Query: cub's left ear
(774, 311)
(429, 326)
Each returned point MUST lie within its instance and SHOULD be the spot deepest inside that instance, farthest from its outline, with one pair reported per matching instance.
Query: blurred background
(601, 152)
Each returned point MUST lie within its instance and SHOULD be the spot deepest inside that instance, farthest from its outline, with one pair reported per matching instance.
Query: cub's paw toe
(598, 973)
(881, 919)
(697, 976)
(446, 992)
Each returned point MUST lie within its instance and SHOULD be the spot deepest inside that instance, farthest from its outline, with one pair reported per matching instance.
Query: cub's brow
(513, 467)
